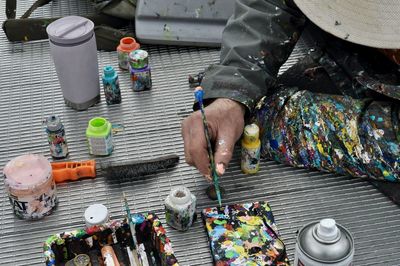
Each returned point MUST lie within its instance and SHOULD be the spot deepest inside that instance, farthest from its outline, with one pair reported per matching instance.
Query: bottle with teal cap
(112, 92)
(99, 136)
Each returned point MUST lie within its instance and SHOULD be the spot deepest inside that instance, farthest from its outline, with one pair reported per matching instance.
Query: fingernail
(208, 177)
(220, 168)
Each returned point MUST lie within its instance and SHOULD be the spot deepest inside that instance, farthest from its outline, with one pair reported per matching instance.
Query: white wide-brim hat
(374, 23)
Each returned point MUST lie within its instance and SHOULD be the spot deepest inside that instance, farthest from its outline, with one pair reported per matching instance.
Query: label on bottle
(112, 91)
(57, 143)
(123, 60)
(101, 146)
(141, 79)
(250, 162)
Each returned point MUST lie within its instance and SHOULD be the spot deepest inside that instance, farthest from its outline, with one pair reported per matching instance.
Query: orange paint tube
(109, 257)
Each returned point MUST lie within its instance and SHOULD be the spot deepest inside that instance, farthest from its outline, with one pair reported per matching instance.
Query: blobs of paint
(220, 222)
(230, 254)
(372, 117)
(218, 231)
(274, 144)
(385, 173)
(380, 119)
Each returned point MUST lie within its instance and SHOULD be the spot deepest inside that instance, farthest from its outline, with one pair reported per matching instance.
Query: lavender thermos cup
(74, 51)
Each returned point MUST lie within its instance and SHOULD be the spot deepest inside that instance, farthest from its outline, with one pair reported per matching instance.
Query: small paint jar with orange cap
(125, 47)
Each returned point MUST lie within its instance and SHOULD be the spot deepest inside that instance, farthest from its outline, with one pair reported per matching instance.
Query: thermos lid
(53, 123)
(96, 214)
(70, 30)
(325, 242)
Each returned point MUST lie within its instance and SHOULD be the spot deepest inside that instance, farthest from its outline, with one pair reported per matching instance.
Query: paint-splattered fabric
(332, 133)
(244, 234)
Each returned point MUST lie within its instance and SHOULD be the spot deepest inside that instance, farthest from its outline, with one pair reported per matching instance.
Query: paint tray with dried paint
(112, 241)
(244, 234)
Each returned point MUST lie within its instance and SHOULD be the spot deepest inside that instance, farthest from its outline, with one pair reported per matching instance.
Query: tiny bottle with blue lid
(112, 91)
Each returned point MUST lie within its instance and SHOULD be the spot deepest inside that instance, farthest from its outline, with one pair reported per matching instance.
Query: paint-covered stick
(198, 93)
(133, 232)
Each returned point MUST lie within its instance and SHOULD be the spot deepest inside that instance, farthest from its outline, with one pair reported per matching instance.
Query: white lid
(327, 229)
(180, 195)
(70, 30)
(96, 214)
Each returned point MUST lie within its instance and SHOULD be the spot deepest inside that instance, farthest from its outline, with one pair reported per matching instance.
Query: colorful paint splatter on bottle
(251, 144)
(56, 137)
(125, 47)
(180, 208)
(140, 70)
(112, 92)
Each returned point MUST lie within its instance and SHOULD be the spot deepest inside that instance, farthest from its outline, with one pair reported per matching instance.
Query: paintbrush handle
(199, 97)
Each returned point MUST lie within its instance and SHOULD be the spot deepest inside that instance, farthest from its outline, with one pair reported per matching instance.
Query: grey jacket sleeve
(257, 40)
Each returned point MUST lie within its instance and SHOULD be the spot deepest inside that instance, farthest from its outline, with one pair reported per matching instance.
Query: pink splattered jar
(30, 185)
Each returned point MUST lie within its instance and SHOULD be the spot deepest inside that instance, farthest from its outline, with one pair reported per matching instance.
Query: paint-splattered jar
(180, 208)
(125, 47)
(56, 137)
(140, 70)
(99, 136)
(30, 186)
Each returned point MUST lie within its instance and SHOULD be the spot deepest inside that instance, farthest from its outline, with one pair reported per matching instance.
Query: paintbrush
(198, 94)
(133, 232)
(125, 170)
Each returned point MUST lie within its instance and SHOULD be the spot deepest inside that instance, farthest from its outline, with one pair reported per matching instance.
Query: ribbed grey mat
(30, 91)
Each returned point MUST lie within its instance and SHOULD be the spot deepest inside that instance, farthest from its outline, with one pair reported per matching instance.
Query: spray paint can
(99, 136)
(324, 243)
(30, 186)
(140, 70)
(112, 92)
(180, 208)
(125, 47)
(56, 137)
(250, 162)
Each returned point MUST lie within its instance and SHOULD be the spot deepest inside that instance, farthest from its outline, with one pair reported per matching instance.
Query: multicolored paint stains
(62, 247)
(29, 181)
(56, 137)
(244, 234)
(331, 133)
(180, 208)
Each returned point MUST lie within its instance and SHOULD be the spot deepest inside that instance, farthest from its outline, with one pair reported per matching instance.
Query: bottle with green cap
(99, 136)
(251, 144)
(112, 92)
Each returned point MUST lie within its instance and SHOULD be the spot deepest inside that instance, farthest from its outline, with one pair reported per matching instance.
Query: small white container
(96, 214)
(180, 208)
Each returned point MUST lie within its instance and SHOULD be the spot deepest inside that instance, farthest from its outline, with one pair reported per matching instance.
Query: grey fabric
(257, 40)
(124, 9)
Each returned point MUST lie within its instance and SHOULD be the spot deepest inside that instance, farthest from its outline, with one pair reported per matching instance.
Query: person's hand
(225, 120)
